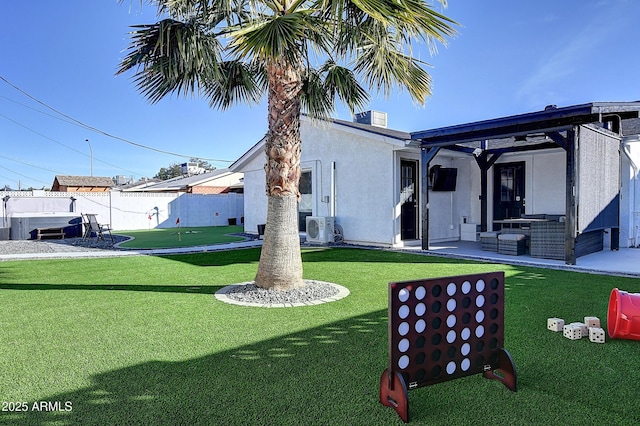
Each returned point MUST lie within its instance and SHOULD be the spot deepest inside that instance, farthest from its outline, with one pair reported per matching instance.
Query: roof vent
(372, 118)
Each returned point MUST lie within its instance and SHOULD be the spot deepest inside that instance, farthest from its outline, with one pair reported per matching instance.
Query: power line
(39, 111)
(11, 158)
(102, 132)
(63, 145)
(25, 176)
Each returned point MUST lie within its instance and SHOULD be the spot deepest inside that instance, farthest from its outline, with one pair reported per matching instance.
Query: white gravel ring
(262, 298)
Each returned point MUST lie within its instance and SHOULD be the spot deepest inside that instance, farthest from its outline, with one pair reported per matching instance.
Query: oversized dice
(596, 334)
(555, 324)
(572, 331)
(583, 328)
(592, 322)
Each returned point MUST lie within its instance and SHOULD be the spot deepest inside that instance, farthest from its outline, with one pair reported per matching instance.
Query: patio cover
(551, 128)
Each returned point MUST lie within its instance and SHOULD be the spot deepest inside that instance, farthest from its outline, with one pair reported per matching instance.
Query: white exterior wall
(545, 181)
(255, 196)
(447, 208)
(365, 175)
(367, 186)
(630, 193)
(364, 179)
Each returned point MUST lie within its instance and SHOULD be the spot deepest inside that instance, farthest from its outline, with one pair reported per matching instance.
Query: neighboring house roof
(395, 137)
(83, 181)
(142, 183)
(183, 183)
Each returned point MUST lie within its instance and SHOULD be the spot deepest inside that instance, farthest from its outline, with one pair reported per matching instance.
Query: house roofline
(394, 137)
(551, 118)
(247, 156)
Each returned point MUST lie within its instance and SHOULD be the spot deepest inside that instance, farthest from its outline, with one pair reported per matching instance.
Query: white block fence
(127, 210)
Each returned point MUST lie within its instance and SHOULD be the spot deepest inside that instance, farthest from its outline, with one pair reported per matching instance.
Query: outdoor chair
(97, 228)
(86, 226)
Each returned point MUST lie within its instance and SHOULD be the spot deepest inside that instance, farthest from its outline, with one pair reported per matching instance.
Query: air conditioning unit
(320, 229)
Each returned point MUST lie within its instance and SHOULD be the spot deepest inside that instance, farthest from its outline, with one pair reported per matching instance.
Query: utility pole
(90, 155)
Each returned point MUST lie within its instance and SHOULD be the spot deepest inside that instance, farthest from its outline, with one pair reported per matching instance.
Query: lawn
(142, 340)
(181, 237)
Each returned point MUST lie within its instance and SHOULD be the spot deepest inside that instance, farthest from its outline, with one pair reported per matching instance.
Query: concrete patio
(624, 262)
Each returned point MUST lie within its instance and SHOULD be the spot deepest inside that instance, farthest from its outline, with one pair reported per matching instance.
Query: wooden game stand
(393, 390)
(505, 372)
(393, 393)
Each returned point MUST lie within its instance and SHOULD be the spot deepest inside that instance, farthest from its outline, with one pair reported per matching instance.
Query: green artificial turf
(142, 340)
(181, 237)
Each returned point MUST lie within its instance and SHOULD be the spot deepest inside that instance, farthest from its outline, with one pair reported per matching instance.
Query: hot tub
(24, 225)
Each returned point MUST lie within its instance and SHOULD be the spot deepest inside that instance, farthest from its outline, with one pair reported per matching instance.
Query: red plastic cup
(623, 317)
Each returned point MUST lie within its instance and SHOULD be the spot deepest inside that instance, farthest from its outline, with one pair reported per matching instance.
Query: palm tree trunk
(280, 264)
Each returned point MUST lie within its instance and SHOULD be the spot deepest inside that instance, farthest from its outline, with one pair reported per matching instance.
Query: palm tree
(304, 54)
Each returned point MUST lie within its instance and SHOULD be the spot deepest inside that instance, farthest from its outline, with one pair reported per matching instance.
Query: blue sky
(511, 57)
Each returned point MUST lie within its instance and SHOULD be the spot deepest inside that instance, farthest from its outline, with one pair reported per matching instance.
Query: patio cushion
(511, 237)
(489, 234)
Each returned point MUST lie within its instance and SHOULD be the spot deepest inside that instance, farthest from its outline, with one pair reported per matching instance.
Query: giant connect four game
(442, 329)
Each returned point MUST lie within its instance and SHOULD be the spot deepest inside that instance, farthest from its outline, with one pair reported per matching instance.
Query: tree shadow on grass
(197, 289)
(329, 375)
(218, 257)
(324, 254)
(324, 375)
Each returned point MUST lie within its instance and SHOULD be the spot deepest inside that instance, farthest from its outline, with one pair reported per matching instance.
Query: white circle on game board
(465, 349)
(404, 311)
(451, 367)
(480, 316)
(451, 320)
(451, 305)
(451, 289)
(480, 286)
(403, 328)
(466, 333)
(479, 331)
(403, 362)
(403, 295)
(465, 364)
(451, 336)
(466, 287)
(420, 325)
(480, 301)
(403, 345)
(420, 309)
(420, 293)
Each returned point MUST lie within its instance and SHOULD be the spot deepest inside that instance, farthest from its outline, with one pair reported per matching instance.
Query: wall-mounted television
(444, 179)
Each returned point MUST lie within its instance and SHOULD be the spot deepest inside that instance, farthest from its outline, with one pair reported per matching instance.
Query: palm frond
(171, 56)
(272, 37)
(314, 98)
(341, 82)
(383, 64)
(371, 39)
(237, 82)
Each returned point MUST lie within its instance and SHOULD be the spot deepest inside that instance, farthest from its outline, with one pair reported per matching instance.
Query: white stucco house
(350, 171)
(578, 164)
